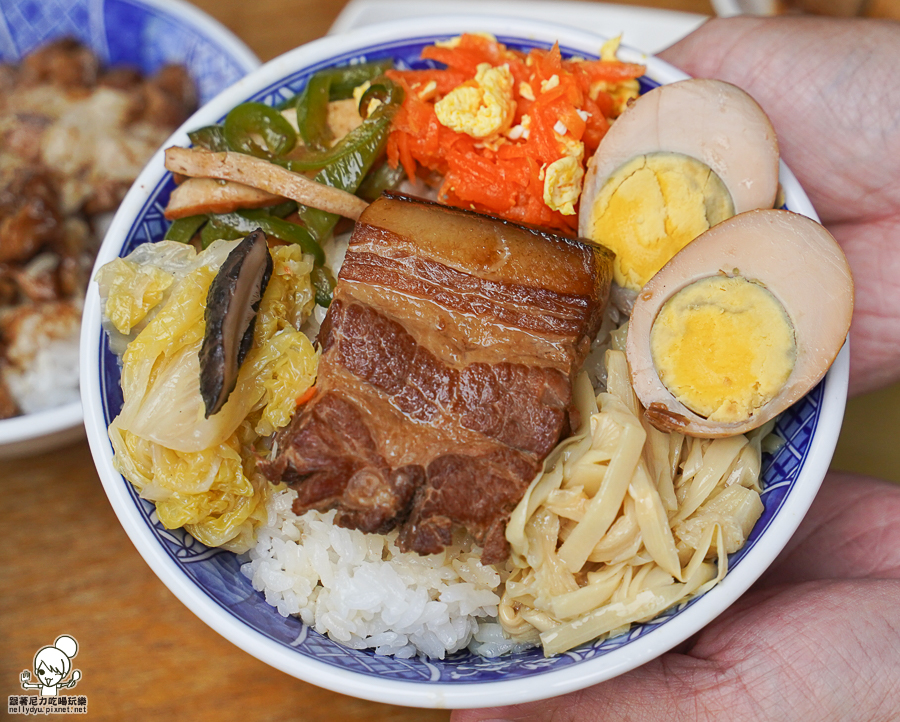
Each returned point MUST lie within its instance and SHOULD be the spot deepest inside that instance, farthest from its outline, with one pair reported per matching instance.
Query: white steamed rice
(42, 362)
(363, 592)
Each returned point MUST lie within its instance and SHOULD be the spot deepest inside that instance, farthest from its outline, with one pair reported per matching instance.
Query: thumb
(671, 688)
(814, 651)
(707, 52)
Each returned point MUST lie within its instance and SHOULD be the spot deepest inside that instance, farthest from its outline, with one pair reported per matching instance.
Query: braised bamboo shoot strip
(200, 196)
(266, 176)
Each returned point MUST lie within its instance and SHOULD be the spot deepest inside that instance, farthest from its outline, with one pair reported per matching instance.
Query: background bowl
(143, 34)
(209, 581)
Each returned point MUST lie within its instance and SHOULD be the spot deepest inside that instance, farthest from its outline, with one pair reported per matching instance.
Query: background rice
(42, 368)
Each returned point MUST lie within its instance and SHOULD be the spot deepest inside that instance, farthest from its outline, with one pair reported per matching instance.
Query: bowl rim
(23, 434)
(45, 422)
(436, 695)
(214, 29)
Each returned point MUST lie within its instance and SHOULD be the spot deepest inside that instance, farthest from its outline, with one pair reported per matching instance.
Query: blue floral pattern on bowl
(217, 573)
(139, 33)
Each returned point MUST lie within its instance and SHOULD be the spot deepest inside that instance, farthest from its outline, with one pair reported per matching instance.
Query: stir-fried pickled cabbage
(201, 473)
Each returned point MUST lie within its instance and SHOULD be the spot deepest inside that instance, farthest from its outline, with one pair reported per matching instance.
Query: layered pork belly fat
(448, 356)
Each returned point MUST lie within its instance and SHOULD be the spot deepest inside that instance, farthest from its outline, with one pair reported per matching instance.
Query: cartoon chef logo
(51, 665)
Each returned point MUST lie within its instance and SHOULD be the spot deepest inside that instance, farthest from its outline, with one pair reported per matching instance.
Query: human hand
(816, 639)
(832, 91)
(24, 677)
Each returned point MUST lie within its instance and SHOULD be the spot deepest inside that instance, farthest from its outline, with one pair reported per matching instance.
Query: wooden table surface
(71, 569)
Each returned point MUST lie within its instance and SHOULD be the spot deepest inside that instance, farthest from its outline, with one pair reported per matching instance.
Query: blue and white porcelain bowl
(209, 582)
(143, 34)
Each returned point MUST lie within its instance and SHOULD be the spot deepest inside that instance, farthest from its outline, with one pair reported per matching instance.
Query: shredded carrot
(306, 395)
(562, 108)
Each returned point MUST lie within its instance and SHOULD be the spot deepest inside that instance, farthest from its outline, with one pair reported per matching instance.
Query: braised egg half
(740, 324)
(680, 159)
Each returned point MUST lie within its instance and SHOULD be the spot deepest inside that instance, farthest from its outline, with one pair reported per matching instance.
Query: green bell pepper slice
(323, 282)
(251, 121)
(346, 79)
(312, 112)
(333, 84)
(240, 223)
(183, 229)
(380, 179)
(356, 153)
(210, 137)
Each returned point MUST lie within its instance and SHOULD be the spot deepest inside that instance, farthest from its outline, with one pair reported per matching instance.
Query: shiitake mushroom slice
(231, 308)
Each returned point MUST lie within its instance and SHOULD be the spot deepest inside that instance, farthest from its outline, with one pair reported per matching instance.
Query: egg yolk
(651, 208)
(724, 347)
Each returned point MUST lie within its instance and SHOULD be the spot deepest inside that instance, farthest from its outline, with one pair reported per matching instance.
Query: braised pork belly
(448, 357)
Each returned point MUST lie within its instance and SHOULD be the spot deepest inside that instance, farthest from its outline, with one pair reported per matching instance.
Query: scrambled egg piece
(526, 91)
(455, 41)
(622, 93)
(429, 92)
(724, 346)
(358, 92)
(549, 84)
(481, 108)
(522, 130)
(651, 208)
(563, 179)
(609, 50)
